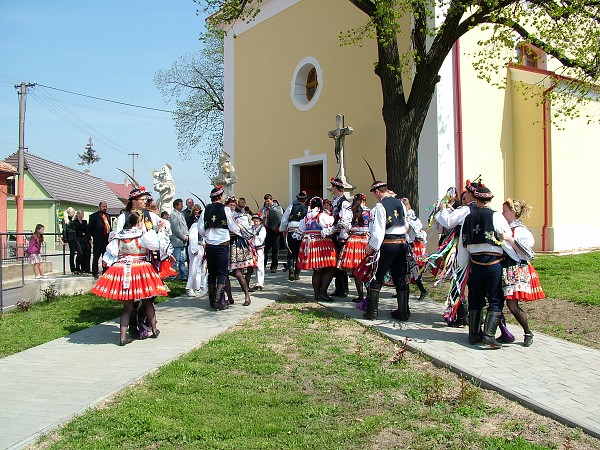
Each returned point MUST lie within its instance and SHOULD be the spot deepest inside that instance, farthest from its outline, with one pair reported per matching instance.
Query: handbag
(364, 271)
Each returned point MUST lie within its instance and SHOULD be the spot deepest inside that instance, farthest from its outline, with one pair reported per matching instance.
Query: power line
(105, 100)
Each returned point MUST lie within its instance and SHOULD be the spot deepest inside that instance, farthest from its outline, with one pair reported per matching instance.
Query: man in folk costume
(481, 235)
(341, 210)
(452, 219)
(388, 237)
(272, 213)
(290, 222)
(214, 226)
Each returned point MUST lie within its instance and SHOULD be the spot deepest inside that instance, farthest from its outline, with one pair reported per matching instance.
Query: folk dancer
(341, 210)
(416, 238)
(388, 239)
(290, 222)
(353, 251)
(257, 243)
(316, 248)
(451, 250)
(482, 232)
(519, 279)
(214, 225)
(240, 255)
(132, 278)
(272, 214)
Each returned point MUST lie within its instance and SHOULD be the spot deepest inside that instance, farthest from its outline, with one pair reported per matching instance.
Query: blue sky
(109, 49)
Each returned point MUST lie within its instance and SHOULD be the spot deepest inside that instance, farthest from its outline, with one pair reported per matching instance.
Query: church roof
(65, 184)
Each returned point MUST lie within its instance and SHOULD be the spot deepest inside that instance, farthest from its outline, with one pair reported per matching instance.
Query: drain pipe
(458, 116)
(546, 129)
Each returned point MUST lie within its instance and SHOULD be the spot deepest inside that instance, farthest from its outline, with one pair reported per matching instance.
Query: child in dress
(34, 250)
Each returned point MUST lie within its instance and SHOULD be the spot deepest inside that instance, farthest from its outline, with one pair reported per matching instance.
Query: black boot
(403, 312)
(474, 326)
(291, 274)
(373, 305)
(211, 294)
(424, 291)
(461, 316)
(296, 273)
(221, 302)
(489, 329)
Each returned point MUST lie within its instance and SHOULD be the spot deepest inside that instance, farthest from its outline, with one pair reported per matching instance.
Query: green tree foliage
(568, 30)
(89, 156)
(195, 83)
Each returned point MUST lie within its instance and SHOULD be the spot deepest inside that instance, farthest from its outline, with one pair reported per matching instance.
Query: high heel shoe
(155, 334)
(247, 302)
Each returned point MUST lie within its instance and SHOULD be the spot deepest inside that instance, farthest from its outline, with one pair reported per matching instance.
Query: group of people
(491, 252)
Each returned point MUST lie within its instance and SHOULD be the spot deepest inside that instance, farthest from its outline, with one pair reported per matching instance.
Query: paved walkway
(46, 386)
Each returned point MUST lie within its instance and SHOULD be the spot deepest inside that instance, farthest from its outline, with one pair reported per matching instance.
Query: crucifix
(339, 135)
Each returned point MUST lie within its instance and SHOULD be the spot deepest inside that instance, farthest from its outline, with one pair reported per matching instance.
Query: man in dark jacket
(98, 229)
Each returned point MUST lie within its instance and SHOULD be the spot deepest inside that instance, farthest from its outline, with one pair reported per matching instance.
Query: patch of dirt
(563, 319)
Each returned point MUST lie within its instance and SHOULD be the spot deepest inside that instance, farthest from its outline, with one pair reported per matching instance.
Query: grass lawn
(298, 375)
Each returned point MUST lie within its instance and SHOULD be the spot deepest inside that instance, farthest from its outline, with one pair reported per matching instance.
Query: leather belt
(394, 241)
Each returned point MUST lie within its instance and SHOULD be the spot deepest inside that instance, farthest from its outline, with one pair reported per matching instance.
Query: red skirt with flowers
(316, 252)
(520, 282)
(353, 252)
(130, 279)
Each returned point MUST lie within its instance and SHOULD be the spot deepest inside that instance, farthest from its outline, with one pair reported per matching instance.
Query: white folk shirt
(501, 226)
(216, 236)
(377, 226)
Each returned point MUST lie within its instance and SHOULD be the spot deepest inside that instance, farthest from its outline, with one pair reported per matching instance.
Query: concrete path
(46, 386)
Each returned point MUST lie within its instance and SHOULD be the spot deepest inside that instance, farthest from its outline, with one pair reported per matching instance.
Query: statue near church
(226, 176)
(165, 186)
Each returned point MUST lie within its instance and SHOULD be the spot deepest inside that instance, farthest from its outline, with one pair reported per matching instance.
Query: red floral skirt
(520, 282)
(139, 281)
(316, 252)
(353, 252)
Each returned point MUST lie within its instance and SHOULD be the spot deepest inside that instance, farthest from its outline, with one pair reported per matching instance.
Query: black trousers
(293, 250)
(392, 258)
(217, 263)
(272, 244)
(86, 253)
(98, 249)
(75, 253)
(485, 281)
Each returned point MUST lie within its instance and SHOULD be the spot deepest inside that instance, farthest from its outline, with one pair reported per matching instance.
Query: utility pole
(22, 92)
(133, 155)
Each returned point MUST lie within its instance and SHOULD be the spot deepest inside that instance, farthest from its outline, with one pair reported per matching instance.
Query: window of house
(307, 84)
(10, 186)
(530, 56)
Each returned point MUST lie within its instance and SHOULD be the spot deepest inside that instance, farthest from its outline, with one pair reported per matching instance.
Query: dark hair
(357, 210)
(132, 220)
(268, 197)
(316, 202)
(37, 234)
(176, 202)
(164, 215)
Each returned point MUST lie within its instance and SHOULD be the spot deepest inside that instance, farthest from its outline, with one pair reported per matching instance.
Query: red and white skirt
(316, 252)
(520, 282)
(353, 252)
(130, 279)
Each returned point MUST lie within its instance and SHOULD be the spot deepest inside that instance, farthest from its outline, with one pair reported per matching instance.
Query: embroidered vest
(215, 217)
(394, 212)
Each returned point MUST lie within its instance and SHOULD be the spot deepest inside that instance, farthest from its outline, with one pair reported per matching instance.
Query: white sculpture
(226, 176)
(165, 186)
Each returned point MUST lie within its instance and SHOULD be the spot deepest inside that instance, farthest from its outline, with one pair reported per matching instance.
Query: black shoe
(528, 340)
(273, 270)
(424, 294)
(247, 302)
(155, 334)
(325, 298)
(124, 342)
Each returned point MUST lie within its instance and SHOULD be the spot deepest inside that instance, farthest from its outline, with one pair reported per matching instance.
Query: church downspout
(458, 116)
(546, 129)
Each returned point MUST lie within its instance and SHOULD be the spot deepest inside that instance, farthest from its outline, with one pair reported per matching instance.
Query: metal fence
(12, 254)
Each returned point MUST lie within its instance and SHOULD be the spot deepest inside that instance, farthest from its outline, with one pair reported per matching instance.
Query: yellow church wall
(574, 174)
(270, 131)
(487, 124)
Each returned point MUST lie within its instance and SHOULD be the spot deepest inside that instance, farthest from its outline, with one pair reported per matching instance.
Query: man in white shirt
(214, 226)
(388, 236)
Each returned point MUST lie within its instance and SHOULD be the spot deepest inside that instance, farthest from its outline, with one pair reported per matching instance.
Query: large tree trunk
(403, 122)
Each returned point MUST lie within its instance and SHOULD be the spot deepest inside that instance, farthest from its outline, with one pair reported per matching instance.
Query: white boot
(190, 293)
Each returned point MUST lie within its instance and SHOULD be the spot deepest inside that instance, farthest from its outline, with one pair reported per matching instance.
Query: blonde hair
(70, 210)
(519, 207)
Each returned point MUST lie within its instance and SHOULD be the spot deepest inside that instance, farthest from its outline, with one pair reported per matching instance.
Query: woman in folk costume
(240, 254)
(132, 278)
(257, 243)
(519, 279)
(417, 240)
(316, 249)
(197, 280)
(353, 251)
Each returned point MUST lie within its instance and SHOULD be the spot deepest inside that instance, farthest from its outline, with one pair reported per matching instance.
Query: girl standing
(34, 250)
(519, 279)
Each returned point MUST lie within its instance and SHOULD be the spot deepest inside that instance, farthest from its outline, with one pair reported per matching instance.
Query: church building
(287, 78)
